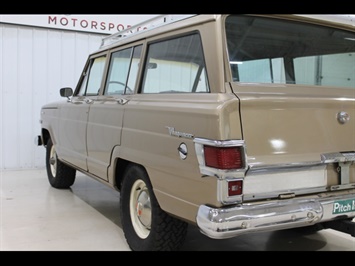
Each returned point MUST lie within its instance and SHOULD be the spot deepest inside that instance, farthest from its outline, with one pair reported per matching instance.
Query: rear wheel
(146, 226)
(59, 174)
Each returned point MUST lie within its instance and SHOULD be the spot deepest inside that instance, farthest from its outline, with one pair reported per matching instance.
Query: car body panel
(296, 141)
(104, 129)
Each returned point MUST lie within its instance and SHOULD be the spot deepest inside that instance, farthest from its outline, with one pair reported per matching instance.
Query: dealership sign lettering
(86, 23)
(106, 24)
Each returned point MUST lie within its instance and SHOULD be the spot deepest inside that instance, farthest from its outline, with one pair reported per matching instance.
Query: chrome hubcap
(143, 209)
(140, 209)
(53, 161)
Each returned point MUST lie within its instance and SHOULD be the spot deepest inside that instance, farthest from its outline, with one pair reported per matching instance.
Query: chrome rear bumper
(222, 223)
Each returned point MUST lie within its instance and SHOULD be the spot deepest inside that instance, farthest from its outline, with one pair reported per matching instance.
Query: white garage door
(34, 64)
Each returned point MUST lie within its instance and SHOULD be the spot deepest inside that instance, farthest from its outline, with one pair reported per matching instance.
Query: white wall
(34, 64)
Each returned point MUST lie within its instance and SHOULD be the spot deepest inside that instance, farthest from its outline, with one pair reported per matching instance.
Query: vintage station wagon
(233, 123)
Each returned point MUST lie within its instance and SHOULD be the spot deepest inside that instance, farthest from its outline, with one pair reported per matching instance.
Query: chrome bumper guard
(222, 223)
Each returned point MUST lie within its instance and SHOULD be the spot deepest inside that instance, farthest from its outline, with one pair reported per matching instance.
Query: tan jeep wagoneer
(234, 123)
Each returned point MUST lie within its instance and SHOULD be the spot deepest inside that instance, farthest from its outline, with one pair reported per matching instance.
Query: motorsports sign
(104, 24)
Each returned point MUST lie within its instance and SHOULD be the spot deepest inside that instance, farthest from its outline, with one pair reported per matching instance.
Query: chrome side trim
(279, 194)
(339, 187)
(220, 143)
(335, 157)
(276, 168)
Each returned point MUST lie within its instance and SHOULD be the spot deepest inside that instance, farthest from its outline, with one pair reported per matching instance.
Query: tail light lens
(227, 161)
(224, 157)
(235, 188)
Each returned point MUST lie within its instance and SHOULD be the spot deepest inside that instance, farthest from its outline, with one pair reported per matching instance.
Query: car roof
(341, 19)
(162, 23)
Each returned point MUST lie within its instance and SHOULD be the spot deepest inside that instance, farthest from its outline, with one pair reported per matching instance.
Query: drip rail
(149, 24)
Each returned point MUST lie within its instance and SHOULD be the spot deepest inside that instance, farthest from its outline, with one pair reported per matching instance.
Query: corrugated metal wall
(34, 64)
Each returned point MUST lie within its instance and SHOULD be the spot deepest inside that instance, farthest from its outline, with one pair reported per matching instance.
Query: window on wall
(91, 82)
(175, 66)
(266, 50)
(123, 71)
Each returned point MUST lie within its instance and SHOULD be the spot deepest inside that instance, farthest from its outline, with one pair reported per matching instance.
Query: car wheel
(59, 174)
(145, 225)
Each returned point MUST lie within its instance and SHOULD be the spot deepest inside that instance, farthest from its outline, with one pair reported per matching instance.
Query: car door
(74, 115)
(106, 111)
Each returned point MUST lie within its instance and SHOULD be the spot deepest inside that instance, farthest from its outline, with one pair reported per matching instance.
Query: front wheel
(59, 174)
(145, 225)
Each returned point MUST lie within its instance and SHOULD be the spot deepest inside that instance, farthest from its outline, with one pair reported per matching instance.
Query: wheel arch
(121, 166)
(146, 226)
(120, 169)
(45, 136)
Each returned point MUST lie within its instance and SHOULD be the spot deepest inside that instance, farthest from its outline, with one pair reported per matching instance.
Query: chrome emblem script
(173, 132)
(343, 117)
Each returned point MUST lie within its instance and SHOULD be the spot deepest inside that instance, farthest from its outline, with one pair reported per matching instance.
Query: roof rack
(149, 24)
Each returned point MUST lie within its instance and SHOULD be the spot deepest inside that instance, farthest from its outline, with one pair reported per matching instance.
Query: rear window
(266, 50)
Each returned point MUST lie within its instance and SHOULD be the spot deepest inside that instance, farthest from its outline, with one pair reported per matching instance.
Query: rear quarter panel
(177, 182)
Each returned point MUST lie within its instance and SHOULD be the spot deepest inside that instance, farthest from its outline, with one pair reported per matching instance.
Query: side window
(91, 82)
(123, 71)
(175, 66)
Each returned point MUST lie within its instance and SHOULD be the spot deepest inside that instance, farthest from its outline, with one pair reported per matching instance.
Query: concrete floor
(36, 217)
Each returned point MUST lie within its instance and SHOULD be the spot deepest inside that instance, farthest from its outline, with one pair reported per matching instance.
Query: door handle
(88, 101)
(122, 101)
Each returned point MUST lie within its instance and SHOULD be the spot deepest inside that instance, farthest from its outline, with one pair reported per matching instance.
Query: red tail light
(223, 157)
(235, 188)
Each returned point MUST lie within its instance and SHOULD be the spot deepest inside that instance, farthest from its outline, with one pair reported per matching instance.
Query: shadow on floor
(106, 201)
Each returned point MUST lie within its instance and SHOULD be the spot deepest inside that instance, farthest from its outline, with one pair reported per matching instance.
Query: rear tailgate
(296, 136)
(295, 78)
